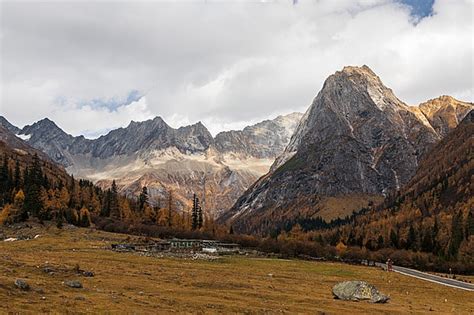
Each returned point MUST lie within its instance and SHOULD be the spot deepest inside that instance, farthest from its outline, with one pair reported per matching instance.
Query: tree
(114, 208)
(394, 239)
(456, 235)
(427, 242)
(411, 239)
(143, 198)
(17, 176)
(194, 213)
(33, 203)
(170, 208)
(84, 217)
(380, 242)
(470, 223)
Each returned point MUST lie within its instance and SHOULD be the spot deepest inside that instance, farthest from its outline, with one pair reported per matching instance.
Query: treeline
(30, 187)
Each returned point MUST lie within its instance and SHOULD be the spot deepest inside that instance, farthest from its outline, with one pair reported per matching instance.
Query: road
(429, 277)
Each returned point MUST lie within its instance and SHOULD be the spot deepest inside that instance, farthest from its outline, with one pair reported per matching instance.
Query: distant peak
(361, 70)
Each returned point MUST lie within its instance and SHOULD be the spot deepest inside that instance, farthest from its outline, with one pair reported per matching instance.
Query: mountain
(6, 124)
(355, 144)
(185, 160)
(444, 113)
(18, 150)
(266, 139)
(434, 212)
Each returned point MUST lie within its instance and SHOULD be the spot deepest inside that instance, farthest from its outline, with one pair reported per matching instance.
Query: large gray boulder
(358, 290)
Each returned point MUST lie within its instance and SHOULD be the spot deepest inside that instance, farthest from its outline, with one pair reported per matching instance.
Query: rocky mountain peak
(6, 124)
(356, 139)
(444, 113)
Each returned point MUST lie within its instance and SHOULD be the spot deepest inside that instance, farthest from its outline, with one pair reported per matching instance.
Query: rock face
(357, 139)
(6, 124)
(186, 160)
(266, 139)
(357, 291)
(444, 113)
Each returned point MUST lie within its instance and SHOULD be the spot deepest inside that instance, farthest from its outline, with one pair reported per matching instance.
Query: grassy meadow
(132, 283)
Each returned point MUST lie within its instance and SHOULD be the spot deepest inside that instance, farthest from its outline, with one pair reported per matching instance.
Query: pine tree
(380, 242)
(411, 239)
(470, 223)
(194, 214)
(113, 201)
(33, 203)
(143, 198)
(394, 239)
(170, 208)
(17, 176)
(427, 242)
(456, 235)
(199, 217)
(4, 181)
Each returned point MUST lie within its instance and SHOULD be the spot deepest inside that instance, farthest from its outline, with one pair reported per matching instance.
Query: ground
(128, 282)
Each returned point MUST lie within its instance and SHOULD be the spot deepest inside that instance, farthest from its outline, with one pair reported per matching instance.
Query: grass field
(130, 283)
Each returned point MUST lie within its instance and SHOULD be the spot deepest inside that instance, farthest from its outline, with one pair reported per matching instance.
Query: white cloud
(226, 64)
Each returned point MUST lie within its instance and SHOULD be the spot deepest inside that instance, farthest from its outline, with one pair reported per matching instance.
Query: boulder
(357, 291)
(22, 284)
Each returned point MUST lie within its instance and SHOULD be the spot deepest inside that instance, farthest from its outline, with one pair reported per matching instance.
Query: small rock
(87, 273)
(49, 270)
(22, 284)
(73, 284)
(43, 298)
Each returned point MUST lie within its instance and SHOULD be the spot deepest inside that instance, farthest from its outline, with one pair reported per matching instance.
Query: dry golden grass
(342, 206)
(130, 283)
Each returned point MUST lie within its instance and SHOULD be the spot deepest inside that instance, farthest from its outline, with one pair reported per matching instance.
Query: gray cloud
(227, 64)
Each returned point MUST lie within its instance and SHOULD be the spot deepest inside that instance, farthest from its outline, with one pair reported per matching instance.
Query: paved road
(429, 277)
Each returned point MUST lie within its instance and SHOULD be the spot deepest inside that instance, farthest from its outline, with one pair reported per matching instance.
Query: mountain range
(356, 143)
(183, 161)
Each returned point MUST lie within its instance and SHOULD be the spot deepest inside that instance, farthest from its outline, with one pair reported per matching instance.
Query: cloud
(87, 64)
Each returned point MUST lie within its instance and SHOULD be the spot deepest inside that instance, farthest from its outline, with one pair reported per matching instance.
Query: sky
(92, 66)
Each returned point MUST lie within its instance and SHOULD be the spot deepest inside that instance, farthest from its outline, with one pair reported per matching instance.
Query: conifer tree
(33, 202)
(143, 198)
(393, 239)
(113, 201)
(17, 176)
(411, 239)
(170, 208)
(470, 223)
(194, 214)
(456, 235)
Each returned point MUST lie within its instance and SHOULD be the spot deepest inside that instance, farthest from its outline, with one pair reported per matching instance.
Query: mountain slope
(186, 160)
(356, 140)
(440, 193)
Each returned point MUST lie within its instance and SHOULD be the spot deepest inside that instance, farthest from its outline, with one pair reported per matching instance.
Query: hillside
(434, 212)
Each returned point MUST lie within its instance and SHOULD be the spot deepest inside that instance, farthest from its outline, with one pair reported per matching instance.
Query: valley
(126, 282)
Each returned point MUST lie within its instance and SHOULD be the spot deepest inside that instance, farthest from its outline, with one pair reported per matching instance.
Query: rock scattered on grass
(357, 291)
(22, 284)
(73, 284)
(87, 273)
